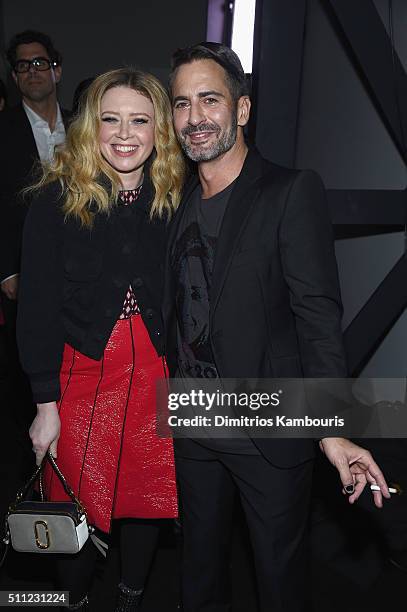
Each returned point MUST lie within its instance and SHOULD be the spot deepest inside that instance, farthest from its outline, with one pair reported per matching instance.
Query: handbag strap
(6, 542)
(21, 493)
(39, 473)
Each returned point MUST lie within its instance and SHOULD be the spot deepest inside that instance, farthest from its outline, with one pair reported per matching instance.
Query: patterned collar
(128, 196)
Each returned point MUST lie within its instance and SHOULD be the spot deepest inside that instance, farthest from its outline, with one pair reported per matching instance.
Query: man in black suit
(28, 134)
(252, 292)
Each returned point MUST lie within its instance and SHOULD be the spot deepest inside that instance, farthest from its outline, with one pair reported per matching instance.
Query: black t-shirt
(193, 262)
(194, 257)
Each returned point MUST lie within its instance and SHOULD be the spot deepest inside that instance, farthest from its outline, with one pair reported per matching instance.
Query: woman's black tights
(138, 541)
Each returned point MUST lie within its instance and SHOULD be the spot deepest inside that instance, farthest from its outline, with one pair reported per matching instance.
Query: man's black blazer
(275, 306)
(18, 158)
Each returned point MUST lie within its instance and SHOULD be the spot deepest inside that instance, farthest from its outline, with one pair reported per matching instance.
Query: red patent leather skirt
(108, 450)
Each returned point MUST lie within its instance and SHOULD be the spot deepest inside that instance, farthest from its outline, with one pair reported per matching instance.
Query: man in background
(29, 133)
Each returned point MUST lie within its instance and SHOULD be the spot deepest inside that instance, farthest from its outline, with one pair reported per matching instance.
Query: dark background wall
(96, 36)
(2, 62)
(341, 135)
(312, 110)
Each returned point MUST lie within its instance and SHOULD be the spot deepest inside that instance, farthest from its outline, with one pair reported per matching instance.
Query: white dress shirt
(44, 138)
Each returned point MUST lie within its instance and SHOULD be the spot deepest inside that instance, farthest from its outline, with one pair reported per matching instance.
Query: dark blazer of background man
(255, 296)
(28, 133)
(19, 149)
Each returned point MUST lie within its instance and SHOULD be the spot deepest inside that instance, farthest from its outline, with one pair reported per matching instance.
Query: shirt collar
(38, 121)
(59, 122)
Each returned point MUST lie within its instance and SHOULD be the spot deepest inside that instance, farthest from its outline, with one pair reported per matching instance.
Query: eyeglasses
(38, 63)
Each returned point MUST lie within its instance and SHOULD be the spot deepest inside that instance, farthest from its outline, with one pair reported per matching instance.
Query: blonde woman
(90, 331)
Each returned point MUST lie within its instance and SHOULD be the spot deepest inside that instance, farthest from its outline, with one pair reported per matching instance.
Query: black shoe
(128, 600)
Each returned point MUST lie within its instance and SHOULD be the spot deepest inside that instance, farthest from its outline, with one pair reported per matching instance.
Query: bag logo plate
(41, 533)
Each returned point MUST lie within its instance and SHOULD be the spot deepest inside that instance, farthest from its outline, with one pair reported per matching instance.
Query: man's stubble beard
(218, 148)
(39, 93)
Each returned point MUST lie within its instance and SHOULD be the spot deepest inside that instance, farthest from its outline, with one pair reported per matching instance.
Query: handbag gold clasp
(40, 544)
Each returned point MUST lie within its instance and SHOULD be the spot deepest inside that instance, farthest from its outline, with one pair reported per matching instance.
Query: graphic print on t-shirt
(193, 264)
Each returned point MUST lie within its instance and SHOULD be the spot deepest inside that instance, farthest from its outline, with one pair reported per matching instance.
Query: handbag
(44, 526)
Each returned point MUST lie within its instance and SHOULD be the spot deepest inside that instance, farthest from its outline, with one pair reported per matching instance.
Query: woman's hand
(44, 430)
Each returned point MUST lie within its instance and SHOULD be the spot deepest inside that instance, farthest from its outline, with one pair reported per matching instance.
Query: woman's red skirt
(108, 449)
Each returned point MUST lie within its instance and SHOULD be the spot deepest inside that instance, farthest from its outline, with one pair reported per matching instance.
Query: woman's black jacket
(74, 281)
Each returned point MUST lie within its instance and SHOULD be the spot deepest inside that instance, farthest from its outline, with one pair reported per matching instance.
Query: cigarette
(377, 488)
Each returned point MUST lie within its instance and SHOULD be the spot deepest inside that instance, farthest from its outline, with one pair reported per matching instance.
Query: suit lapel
(23, 125)
(241, 202)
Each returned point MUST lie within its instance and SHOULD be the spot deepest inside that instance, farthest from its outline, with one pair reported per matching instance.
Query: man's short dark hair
(222, 55)
(31, 36)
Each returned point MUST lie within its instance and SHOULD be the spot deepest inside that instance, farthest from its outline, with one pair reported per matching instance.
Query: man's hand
(356, 467)
(44, 430)
(10, 287)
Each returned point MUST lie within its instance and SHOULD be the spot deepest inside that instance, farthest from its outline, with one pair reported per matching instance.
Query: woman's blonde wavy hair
(81, 169)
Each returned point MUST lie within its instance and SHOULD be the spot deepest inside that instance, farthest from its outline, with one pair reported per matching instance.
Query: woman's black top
(74, 281)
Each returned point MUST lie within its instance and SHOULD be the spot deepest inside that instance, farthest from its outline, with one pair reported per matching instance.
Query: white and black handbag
(43, 526)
